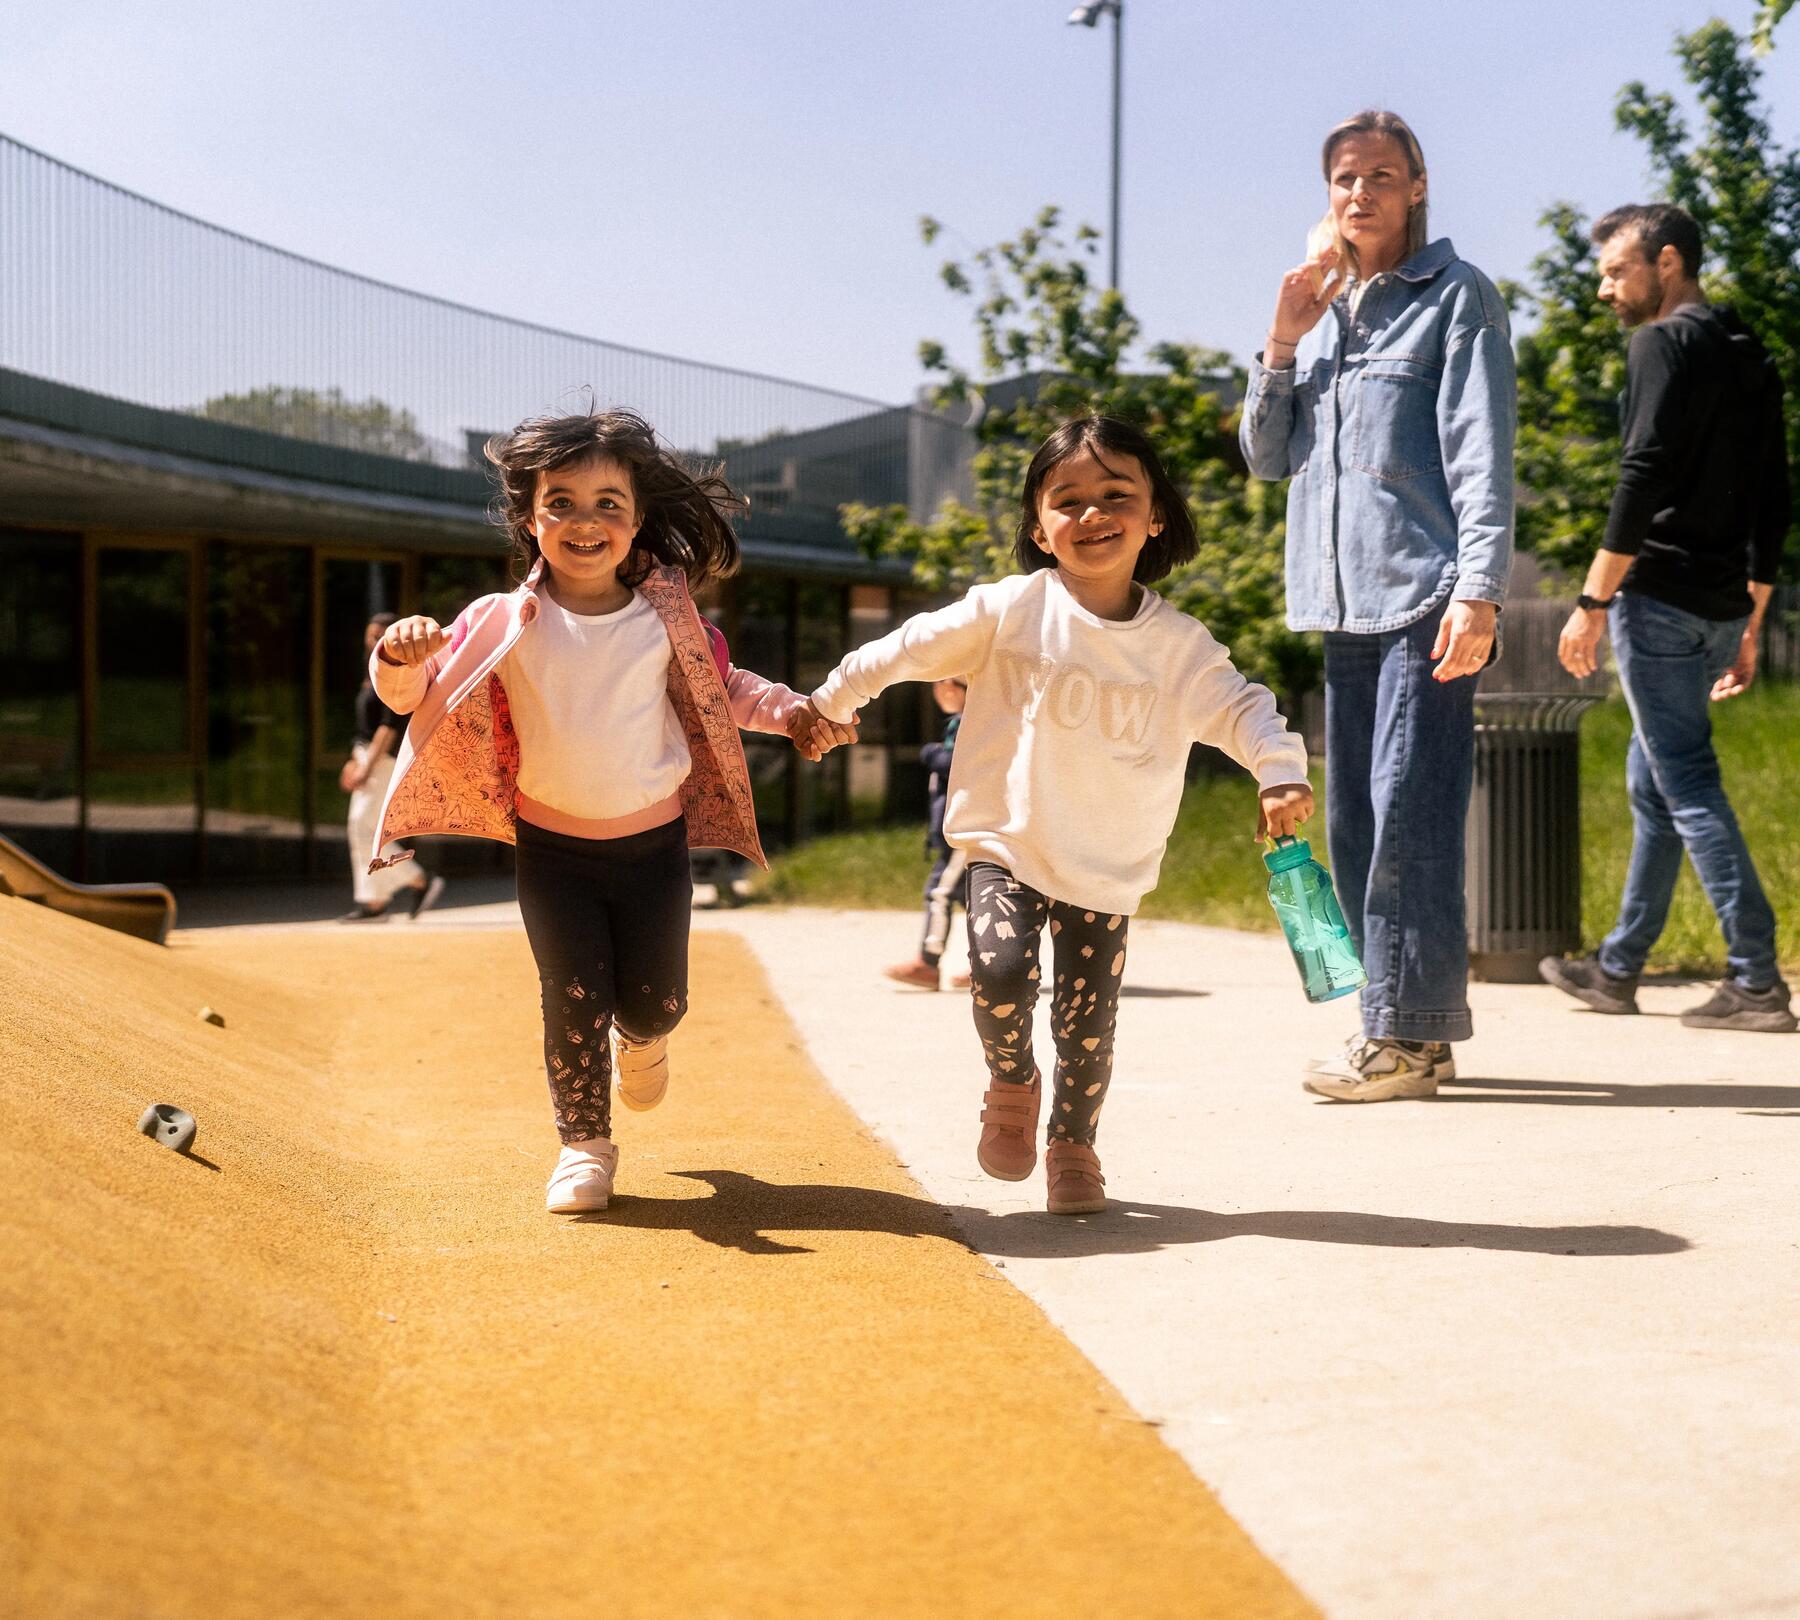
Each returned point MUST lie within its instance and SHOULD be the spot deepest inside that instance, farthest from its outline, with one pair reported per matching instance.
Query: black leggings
(1006, 920)
(608, 923)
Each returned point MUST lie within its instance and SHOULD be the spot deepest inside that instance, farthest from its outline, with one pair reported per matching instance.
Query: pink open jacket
(457, 770)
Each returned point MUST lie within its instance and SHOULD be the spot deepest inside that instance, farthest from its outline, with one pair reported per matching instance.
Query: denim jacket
(1396, 425)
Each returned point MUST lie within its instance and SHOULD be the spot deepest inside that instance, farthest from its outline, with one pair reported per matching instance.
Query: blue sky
(741, 182)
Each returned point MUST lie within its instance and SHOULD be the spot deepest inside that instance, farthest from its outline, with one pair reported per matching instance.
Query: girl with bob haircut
(590, 717)
(1086, 691)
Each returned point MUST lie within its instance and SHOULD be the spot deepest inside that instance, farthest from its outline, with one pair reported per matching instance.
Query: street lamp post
(1088, 16)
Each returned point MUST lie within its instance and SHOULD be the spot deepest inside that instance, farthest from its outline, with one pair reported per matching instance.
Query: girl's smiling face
(1094, 516)
(585, 517)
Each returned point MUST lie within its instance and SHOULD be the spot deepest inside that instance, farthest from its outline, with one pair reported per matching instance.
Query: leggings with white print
(1006, 920)
(607, 919)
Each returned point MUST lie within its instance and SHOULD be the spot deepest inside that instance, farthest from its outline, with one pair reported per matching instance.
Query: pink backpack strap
(715, 639)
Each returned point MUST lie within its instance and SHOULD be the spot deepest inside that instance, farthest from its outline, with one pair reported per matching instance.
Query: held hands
(814, 735)
(1282, 808)
(1465, 638)
(412, 641)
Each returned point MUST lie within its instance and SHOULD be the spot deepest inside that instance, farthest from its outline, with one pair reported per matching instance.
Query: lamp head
(1087, 16)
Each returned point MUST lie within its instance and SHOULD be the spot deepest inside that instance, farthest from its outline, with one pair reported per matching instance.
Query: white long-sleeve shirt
(1073, 749)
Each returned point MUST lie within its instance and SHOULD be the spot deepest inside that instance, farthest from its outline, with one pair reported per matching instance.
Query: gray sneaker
(1376, 1069)
(1731, 1006)
(1583, 978)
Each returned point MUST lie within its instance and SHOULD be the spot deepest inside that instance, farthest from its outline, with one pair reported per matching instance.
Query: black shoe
(426, 895)
(365, 914)
(1731, 1006)
(1583, 978)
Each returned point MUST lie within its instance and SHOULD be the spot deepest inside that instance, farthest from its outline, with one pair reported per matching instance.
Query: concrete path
(1532, 1348)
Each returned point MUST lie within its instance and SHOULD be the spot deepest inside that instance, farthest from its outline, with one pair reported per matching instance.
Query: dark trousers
(608, 924)
(1399, 767)
(1668, 660)
(1006, 924)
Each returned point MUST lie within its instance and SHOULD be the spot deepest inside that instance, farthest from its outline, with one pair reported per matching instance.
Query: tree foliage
(1745, 192)
(1058, 344)
(325, 417)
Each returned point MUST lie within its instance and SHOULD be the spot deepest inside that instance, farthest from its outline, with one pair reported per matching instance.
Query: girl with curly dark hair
(590, 716)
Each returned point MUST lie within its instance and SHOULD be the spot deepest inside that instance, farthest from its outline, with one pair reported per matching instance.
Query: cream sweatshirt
(1074, 743)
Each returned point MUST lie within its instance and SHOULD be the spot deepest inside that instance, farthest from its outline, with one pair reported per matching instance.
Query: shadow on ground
(743, 1210)
(1607, 1094)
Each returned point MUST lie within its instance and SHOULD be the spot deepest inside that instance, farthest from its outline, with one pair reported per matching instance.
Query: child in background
(591, 717)
(947, 885)
(1086, 694)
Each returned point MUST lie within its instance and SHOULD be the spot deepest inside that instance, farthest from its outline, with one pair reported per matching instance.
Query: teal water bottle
(1301, 893)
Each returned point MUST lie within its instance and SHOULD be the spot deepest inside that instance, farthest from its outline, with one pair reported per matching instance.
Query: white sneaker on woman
(1377, 1069)
(641, 1069)
(583, 1177)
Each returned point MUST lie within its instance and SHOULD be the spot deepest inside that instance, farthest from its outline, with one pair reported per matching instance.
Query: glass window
(40, 694)
(759, 637)
(142, 818)
(449, 583)
(258, 638)
(141, 653)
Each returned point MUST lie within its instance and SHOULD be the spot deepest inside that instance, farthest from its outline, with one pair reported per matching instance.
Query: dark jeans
(1668, 661)
(607, 919)
(1006, 925)
(1399, 763)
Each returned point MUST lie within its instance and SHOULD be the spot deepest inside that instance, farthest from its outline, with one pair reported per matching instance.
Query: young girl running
(1086, 691)
(590, 717)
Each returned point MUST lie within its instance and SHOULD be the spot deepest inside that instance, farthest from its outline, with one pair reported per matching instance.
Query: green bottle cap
(1287, 853)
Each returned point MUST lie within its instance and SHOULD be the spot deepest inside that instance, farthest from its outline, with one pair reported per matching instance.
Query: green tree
(1745, 191)
(325, 417)
(1058, 344)
(1762, 31)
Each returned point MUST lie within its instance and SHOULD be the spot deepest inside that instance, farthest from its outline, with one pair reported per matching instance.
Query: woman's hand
(1305, 294)
(1465, 638)
(353, 775)
(412, 641)
(1282, 808)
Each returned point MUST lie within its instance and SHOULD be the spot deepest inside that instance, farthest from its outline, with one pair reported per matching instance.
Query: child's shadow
(743, 1209)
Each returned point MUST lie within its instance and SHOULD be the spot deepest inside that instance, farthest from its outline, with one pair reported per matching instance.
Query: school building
(217, 460)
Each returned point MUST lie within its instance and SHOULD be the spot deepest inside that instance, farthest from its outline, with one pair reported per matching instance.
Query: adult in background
(1385, 393)
(1693, 544)
(365, 778)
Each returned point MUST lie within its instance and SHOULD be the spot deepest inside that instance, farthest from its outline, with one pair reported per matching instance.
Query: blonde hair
(1372, 121)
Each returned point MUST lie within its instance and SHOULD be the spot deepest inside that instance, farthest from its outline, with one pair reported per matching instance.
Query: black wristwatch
(1593, 604)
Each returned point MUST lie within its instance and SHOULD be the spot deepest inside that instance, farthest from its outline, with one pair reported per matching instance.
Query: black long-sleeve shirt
(1702, 500)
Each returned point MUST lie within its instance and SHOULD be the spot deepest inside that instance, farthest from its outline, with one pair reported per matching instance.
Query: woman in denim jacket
(1385, 393)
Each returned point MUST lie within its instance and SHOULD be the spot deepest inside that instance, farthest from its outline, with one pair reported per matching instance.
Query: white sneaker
(1377, 1069)
(642, 1071)
(583, 1177)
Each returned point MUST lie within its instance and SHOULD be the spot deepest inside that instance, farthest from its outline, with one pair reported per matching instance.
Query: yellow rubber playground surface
(342, 1363)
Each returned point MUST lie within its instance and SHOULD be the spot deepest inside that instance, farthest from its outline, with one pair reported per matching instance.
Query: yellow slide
(339, 1362)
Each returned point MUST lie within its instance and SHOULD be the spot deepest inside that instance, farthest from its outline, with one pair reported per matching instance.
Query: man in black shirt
(1693, 545)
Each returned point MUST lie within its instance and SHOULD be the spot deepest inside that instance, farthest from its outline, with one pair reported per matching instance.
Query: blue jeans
(1399, 764)
(1668, 661)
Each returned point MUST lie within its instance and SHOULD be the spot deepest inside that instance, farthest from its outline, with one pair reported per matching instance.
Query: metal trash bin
(1523, 874)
